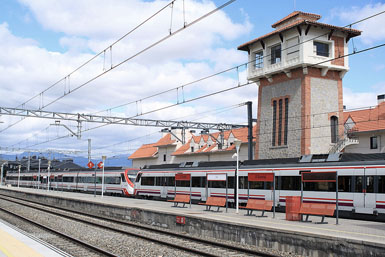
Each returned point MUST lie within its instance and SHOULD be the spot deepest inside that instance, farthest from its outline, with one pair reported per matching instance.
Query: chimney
(380, 99)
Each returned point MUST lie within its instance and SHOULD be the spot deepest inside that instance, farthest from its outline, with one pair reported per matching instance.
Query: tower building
(299, 69)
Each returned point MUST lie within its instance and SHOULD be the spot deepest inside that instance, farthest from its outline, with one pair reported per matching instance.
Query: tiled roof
(368, 119)
(145, 151)
(244, 46)
(201, 149)
(166, 140)
(312, 16)
(211, 147)
(182, 149)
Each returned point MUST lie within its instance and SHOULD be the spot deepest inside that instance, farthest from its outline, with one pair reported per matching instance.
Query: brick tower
(300, 85)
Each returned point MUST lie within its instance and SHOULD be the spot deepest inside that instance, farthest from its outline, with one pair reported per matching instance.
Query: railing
(346, 138)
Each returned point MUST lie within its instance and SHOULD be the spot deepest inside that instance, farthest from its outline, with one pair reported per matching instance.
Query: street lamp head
(237, 144)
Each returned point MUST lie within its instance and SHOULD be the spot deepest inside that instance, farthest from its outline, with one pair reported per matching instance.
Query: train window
(290, 183)
(243, 182)
(256, 185)
(381, 184)
(196, 182)
(148, 181)
(319, 186)
(170, 181)
(183, 183)
(68, 179)
(138, 177)
(217, 184)
(358, 184)
(345, 183)
(123, 177)
(159, 181)
(231, 181)
(369, 184)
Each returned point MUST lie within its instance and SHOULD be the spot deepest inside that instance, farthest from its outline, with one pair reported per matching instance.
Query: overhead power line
(185, 26)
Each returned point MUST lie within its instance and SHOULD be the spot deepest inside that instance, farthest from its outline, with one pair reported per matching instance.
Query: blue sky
(42, 41)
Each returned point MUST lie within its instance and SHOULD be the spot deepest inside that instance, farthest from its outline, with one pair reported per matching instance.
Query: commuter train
(116, 181)
(361, 181)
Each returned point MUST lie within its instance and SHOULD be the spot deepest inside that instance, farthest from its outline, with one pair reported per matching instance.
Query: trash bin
(293, 204)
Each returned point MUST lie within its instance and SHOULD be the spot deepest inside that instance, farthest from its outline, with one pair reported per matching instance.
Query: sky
(42, 42)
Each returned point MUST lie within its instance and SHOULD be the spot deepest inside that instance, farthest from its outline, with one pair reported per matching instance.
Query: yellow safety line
(3, 250)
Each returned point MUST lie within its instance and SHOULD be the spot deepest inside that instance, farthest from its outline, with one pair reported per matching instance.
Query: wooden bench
(316, 209)
(214, 201)
(257, 205)
(180, 199)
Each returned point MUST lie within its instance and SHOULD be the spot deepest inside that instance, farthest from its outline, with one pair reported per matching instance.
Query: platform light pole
(38, 178)
(18, 178)
(49, 168)
(103, 159)
(237, 146)
(2, 172)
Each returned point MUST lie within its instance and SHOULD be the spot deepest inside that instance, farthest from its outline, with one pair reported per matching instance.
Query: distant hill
(82, 161)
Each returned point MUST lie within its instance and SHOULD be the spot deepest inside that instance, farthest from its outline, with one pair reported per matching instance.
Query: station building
(298, 68)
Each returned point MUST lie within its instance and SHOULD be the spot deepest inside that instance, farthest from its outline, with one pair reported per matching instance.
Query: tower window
(274, 122)
(275, 52)
(164, 157)
(259, 60)
(334, 129)
(280, 121)
(321, 49)
(373, 143)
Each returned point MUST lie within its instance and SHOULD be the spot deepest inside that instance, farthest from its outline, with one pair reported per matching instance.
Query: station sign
(90, 165)
(182, 177)
(180, 220)
(216, 177)
(268, 177)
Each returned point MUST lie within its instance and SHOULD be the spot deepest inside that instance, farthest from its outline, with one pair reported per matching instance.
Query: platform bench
(257, 205)
(180, 199)
(214, 201)
(316, 209)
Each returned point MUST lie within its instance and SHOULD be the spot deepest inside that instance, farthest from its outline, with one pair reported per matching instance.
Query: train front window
(138, 177)
(123, 177)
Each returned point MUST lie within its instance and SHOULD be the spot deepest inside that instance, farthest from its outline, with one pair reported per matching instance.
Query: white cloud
(26, 68)
(372, 30)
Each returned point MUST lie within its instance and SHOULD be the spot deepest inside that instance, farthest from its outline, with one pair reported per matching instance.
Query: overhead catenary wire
(323, 61)
(185, 26)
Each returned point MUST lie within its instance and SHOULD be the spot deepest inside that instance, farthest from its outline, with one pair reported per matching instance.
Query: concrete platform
(349, 238)
(14, 243)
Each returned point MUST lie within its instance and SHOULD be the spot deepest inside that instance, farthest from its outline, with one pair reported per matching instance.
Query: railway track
(179, 242)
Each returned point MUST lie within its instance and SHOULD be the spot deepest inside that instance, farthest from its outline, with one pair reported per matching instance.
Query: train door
(364, 196)
(161, 181)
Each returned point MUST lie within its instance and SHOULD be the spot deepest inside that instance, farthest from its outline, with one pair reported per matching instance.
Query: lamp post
(18, 178)
(38, 178)
(103, 159)
(237, 146)
(49, 169)
(2, 172)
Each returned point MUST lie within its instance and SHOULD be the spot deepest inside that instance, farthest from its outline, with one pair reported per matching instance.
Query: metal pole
(237, 184)
(336, 197)
(273, 195)
(89, 150)
(250, 129)
(49, 169)
(226, 192)
(95, 182)
(38, 183)
(18, 179)
(2, 173)
(104, 159)
(190, 188)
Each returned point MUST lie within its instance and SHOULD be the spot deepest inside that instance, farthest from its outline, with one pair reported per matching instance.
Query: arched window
(334, 129)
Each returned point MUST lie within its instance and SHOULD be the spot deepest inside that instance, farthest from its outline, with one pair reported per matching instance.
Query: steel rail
(169, 233)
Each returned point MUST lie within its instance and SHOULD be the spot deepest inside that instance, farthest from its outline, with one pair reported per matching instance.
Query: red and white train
(361, 181)
(116, 181)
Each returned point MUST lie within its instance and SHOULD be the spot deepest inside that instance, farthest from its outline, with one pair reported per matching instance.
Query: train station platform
(349, 238)
(16, 243)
